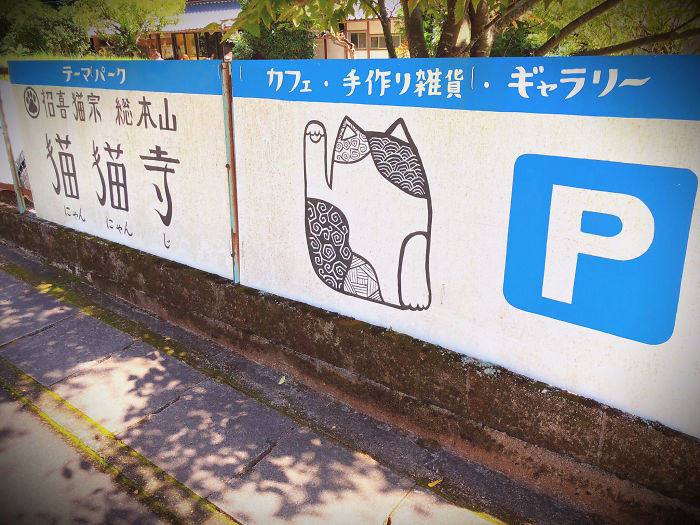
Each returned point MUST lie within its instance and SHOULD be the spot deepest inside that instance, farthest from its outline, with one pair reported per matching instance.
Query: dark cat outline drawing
(391, 160)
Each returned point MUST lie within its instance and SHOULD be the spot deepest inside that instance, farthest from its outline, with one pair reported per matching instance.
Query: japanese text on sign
(106, 155)
(448, 83)
(94, 74)
(575, 76)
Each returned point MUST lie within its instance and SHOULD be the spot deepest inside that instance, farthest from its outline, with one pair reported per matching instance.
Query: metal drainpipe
(231, 165)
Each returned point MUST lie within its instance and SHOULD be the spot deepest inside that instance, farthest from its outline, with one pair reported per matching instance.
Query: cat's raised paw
(315, 155)
(315, 131)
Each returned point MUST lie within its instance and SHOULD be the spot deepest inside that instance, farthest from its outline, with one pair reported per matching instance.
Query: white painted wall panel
(469, 159)
(199, 233)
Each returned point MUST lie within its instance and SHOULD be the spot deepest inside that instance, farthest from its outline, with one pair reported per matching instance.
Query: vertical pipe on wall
(11, 158)
(231, 165)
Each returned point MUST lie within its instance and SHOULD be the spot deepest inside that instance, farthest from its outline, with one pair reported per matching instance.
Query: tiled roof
(198, 15)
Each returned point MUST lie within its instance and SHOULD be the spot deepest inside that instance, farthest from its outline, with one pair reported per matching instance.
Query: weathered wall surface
(538, 434)
(536, 214)
(485, 231)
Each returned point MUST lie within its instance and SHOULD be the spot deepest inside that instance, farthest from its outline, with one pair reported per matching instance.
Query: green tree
(240, 47)
(470, 27)
(281, 40)
(276, 40)
(322, 15)
(628, 27)
(518, 40)
(33, 27)
(122, 23)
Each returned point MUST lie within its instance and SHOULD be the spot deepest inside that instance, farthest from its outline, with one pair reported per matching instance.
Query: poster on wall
(130, 151)
(534, 213)
(13, 134)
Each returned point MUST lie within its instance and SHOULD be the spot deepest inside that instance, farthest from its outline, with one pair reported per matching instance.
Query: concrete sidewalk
(244, 459)
(45, 480)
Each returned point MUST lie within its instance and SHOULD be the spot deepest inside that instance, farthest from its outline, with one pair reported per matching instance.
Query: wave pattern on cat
(327, 234)
(400, 165)
(351, 144)
(362, 280)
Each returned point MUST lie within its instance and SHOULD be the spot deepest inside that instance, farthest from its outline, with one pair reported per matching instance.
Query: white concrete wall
(469, 159)
(319, 51)
(199, 234)
(329, 49)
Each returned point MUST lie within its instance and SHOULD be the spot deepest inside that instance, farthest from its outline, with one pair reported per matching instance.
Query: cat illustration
(368, 217)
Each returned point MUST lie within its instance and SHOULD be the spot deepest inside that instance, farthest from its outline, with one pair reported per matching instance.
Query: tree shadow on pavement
(44, 480)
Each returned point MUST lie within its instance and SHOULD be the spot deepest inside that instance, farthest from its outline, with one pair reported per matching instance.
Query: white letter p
(565, 240)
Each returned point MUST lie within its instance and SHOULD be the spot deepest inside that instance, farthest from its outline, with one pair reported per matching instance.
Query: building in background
(365, 34)
(186, 37)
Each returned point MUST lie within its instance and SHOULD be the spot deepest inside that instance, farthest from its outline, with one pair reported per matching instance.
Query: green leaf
(211, 28)
(412, 5)
(552, 30)
(254, 29)
(547, 3)
(266, 18)
(460, 6)
(282, 380)
(229, 33)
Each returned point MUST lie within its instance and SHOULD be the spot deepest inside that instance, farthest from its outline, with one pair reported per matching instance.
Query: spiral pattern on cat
(351, 149)
(327, 235)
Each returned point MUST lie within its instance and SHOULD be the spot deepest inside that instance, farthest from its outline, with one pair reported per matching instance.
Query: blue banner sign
(167, 76)
(627, 86)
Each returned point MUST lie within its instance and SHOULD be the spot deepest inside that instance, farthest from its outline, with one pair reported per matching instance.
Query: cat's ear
(348, 129)
(399, 131)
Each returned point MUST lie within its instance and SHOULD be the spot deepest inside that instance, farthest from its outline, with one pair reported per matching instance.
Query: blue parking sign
(599, 244)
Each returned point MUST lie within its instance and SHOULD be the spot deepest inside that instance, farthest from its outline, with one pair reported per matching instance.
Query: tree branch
(500, 22)
(386, 28)
(688, 22)
(413, 22)
(574, 25)
(509, 42)
(371, 6)
(447, 35)
(654, 39)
